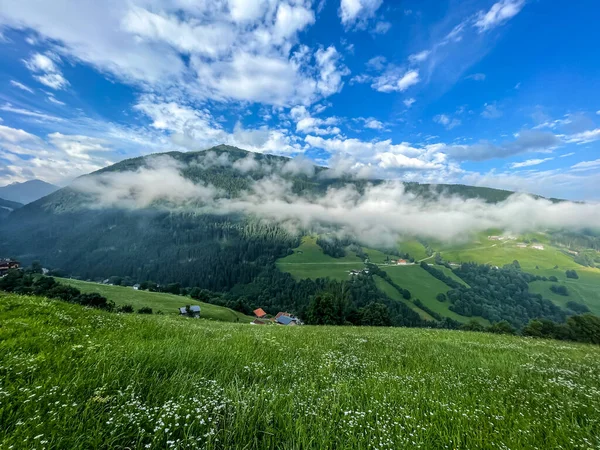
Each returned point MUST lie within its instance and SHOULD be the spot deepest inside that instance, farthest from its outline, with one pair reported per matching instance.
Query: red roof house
(260, 313)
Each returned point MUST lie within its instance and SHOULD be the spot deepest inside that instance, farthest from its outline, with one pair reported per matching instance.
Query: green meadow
(158, 301)
(393, 293)
(585, 290)
(309, 261)
(425, 287)
(76, 378)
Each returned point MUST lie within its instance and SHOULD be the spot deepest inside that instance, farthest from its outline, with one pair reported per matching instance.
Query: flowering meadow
(76, 378)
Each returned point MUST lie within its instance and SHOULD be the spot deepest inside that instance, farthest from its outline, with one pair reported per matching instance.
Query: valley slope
(259, 262)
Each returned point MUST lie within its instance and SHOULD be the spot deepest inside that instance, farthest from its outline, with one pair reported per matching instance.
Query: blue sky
(493, 93)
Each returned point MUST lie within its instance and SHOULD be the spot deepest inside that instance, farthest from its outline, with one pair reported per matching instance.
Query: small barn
(286, 320)
(191, 311)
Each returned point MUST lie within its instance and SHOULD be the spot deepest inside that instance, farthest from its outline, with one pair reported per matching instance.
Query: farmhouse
(259, 313)
(401, 262)
(538, 247)
(192, 311)
(285, 318)
(136, 287)
(8, 264)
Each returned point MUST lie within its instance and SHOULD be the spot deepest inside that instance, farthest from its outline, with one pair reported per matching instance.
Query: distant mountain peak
(27, 191)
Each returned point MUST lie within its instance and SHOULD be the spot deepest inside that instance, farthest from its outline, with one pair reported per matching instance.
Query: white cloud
(382, 27)
(476, 77)
(526, 141)
(498, 14)
(357, 12)
(77, 146)
(234, 49)
(491, 111)
(529, 163)
(395, 81)
(586, 165)
(447, 121)
(584, 137)
(15, 135)
(25, 112)
(409, 102)
(380, 214)
(21, 86)
(374, 124)
(567, 154)
(51, 99)
(51, 75)
(306, 124)
(419, 57)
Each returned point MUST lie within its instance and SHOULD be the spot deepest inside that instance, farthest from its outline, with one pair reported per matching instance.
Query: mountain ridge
(27, 191)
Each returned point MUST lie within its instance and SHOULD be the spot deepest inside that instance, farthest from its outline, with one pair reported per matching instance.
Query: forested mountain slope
(189, 218)
(6, 207)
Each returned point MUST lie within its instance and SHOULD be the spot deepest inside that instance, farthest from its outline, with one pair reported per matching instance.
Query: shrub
(94, 300)
(572, 274)
(577, 307)
(125, 309)
(441, 298)
(502, 327)
(560, 290)
(145, 310)
(553, 279)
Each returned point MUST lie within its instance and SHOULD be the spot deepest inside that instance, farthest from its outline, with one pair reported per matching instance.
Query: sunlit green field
(393, 293)
(74, 378)
(425, 287)
(158, 301)
(585, 290)
(309, 261)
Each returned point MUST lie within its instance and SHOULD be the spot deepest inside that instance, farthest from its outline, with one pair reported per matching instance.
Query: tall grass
(74, 378)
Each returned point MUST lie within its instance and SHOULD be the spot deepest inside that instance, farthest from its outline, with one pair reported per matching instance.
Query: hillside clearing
(158, 301)
(77, 378)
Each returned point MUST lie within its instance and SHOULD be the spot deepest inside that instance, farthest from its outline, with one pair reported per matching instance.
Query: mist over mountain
(218, 217)
(28, 191)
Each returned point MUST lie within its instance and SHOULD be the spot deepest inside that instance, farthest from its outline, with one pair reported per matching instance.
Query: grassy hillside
(393, 293)
(77, 378)
(309, 261)
(158, 301)
(425, 287)
(585, 290)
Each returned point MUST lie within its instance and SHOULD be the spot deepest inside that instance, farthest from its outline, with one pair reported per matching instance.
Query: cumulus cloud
(306, 124)
(47, 71)
(419, 57)
(394, 80)
(498, 14)
(357, 12)
(379, 215)
(223, 50)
